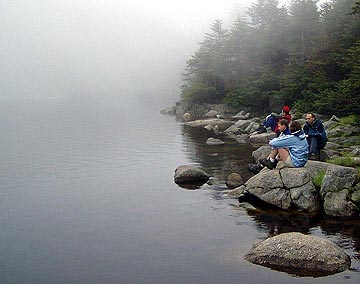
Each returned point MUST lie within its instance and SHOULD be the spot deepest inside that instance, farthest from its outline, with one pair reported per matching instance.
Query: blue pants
(271, 122)
(313, 145)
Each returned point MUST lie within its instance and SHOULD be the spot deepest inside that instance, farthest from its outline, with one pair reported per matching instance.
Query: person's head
(286, 109)
(295, 126)
(310, 118)
(283, 124)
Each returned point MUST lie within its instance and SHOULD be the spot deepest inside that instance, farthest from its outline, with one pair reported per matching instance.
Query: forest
(305, 53)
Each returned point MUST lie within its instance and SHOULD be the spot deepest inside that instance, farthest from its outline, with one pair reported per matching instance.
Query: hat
(286, 109)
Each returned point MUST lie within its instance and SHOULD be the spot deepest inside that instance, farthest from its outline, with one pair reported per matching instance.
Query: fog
(65, 48)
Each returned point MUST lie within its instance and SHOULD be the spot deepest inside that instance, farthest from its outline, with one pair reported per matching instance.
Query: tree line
(307, 55)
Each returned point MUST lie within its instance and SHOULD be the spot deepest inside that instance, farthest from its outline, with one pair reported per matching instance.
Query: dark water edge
(87, 196)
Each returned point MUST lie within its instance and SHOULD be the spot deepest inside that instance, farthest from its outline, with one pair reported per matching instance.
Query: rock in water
(300, 254)
(190, 175)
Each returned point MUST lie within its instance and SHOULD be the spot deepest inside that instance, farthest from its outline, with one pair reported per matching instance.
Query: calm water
(87, 196)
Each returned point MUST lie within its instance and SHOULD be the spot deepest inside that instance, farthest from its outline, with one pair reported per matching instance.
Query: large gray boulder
(186, 174)
(262, 138)
(221, 123)
(339, 204)
(285, 188)
(338, 178)
(261, 153)
(300, 254)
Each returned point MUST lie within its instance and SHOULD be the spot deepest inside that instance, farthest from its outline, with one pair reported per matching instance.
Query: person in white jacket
(292, 149)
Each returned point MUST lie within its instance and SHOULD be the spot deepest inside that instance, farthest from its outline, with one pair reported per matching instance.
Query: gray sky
(52, 48)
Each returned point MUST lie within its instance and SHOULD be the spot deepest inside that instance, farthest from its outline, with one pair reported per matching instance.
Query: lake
(87, 196)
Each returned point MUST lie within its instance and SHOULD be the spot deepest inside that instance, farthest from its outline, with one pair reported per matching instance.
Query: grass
(318, 179)
(346, 161)
(350, 120)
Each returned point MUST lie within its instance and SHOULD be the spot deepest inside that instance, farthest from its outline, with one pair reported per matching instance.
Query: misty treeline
(304, 54)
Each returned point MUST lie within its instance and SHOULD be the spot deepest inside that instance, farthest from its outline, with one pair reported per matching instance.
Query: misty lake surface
(87, 196)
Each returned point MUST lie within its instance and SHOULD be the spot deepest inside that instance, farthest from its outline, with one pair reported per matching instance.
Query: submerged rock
(300, 254)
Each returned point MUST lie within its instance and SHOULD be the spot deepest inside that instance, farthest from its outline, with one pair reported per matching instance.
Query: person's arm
(281, 142)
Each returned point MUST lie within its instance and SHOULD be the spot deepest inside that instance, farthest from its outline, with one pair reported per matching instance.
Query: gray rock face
(339, 204)
(303, 193)
(285, 188)
(300, 254)
(262, 138)
(261, 153)
(338, 178)
(190, 175)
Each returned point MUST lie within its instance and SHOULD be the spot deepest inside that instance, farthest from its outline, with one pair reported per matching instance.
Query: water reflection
(217, 161)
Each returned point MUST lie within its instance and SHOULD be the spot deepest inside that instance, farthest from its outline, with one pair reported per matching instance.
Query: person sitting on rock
(315, 135)
(283, 126)
(292, 149)
(272, 121)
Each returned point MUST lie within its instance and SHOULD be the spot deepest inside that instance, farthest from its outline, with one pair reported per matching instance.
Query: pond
(87, 196)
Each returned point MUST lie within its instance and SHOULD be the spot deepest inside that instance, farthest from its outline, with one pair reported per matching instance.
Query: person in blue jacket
(315, 135)
(283, 128)
(292, 149)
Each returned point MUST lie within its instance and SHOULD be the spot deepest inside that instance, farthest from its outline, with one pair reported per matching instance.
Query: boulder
(238, 127)
(234, 180)
(187, 116)
(339, 204)
(261, 153)
(213, 128)
(241, 115)
(242, 138)
(338, 178)
(300, 254)
(303, 193)
(187, 174)
(211, 114)
(285, 188)
(237, 192)
(262, 138)
(221, 123)
(314, 168)
(169, 110)
(214, 142)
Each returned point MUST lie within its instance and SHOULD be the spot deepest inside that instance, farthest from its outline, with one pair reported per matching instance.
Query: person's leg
(283, 153)
(271, 161)
(271, 122)
(273, 153)
(313, 148)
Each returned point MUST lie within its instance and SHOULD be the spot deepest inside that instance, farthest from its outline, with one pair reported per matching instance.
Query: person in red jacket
(273, 119)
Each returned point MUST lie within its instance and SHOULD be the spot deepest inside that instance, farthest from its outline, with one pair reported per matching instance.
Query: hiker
(272, 121)
(283, 126)
(315, 135)
(292, 149)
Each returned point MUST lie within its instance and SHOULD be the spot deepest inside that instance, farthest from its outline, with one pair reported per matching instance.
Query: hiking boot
(267, 163)
(255, 168)
(261, 129)
(313, 157)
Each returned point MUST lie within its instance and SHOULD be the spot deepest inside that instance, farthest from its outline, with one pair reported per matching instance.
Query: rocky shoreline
(319, 188)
